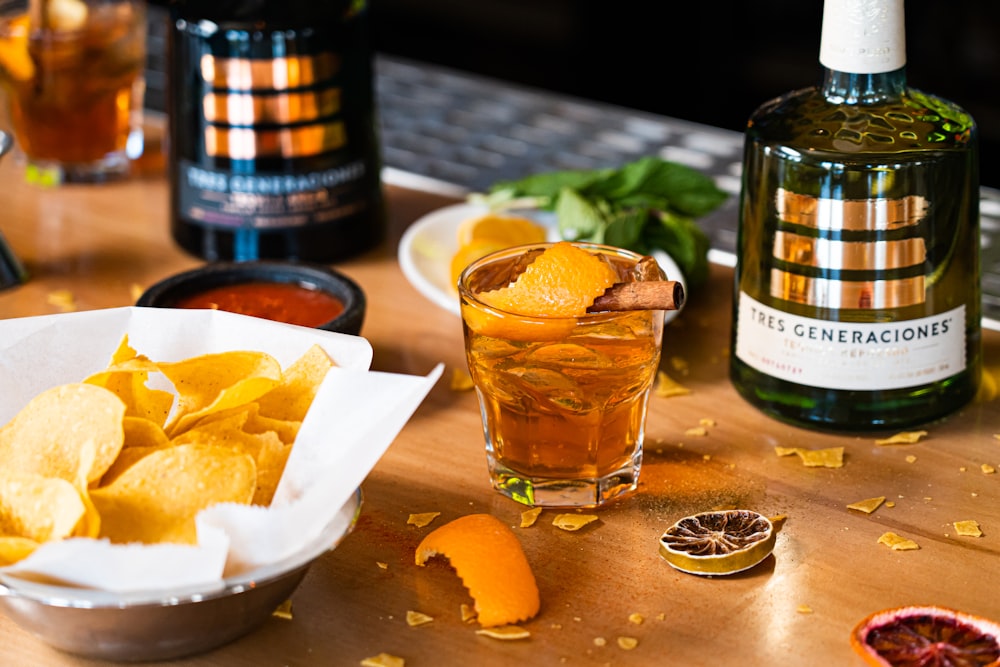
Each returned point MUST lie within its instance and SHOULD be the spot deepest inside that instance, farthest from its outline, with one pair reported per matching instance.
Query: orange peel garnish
(491, 563)
(563, 281)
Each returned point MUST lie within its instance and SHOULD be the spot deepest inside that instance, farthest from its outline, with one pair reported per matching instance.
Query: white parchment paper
(355, 417)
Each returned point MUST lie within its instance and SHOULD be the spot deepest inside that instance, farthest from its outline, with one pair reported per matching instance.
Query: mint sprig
(644, 205)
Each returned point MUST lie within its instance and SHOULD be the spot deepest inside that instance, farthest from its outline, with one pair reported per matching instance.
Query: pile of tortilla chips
(116, 457)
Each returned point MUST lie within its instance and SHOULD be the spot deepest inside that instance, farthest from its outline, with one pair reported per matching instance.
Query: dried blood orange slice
(720, 542)
(488, 557)
(927, 636)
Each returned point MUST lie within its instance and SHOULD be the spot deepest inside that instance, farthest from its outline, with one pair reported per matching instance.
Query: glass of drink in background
(72, 72)
(563, 400)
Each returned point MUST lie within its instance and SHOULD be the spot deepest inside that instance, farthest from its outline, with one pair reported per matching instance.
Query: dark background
(712, 61)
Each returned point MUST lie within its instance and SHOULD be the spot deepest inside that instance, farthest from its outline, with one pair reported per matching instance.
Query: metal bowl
(6, 143)
(164, 625)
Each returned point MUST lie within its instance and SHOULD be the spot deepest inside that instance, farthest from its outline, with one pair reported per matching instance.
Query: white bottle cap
(863, 36)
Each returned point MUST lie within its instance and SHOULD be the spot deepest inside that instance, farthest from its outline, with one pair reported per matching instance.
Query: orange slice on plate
(508, 229)
(470, 252)
(480, 235)
(921, 636)
(714, 543)
(489, 559)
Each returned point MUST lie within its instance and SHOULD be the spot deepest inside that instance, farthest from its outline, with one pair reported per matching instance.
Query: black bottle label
(273, 135)
(262, 201)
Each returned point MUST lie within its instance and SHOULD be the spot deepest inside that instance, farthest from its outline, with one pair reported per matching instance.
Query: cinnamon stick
(643, 295)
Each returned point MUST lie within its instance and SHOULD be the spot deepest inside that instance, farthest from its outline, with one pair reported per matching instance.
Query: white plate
(427, 246)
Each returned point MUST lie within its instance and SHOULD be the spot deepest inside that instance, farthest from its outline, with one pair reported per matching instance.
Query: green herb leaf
(644, 205)
(579, 218)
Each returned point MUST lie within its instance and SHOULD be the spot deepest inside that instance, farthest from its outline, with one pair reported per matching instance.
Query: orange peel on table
(491, 563)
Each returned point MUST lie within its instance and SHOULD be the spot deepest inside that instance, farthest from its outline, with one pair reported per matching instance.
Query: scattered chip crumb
(706, 457)
(284, 610)
(556, 626)
(62, 299)
(422, 519)
(831, 457)
(383, 660)
(867, 506)
(897, 542)
(627, 643)
(381, 565)
(904, 438)
(636, 618)
(504, 632)
(415, 618)
(987, 469)
(890, 503)
(804, 609)
(696, 431)
(667, 387)
(679, 364)
(529, 517)
(466, 613)
(968, 528)
(573, 521)
(460, 380)
(911, 459)
(962, 469)
(707, 421)
(600, 641)
(662, 616)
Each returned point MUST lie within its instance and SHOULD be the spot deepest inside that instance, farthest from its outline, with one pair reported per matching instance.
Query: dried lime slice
(720, 542)
(926, 635)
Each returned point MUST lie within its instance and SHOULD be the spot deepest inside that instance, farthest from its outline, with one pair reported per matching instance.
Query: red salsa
(282, 302)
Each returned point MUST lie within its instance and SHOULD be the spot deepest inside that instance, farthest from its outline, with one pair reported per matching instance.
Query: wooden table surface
(103, 243)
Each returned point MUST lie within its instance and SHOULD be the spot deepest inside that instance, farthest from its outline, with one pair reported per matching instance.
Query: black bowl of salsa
(308, 295)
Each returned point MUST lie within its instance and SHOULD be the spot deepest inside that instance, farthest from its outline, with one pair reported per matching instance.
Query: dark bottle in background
(857, 301)
(274, 150)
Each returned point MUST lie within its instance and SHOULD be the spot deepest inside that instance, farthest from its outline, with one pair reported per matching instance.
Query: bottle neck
(871, 88)
(863, 48)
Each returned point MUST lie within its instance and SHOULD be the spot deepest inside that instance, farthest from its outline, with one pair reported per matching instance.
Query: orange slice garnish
(14, 58)
(488, 558)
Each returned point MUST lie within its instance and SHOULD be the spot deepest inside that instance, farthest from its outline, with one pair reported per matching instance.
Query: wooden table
(103, 243)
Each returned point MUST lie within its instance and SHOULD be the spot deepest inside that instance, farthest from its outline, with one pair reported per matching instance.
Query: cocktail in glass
(72, 72)
(563, 399)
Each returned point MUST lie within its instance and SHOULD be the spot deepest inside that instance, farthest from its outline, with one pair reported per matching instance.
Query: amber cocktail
(72, 72)
(563, 399)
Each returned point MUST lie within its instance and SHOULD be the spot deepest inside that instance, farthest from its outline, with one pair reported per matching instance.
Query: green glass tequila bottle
(857, 296)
